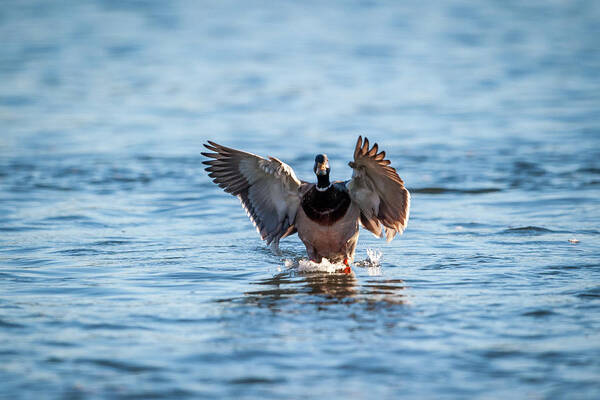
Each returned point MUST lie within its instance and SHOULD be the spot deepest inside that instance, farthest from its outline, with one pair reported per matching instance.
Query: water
(125, 273)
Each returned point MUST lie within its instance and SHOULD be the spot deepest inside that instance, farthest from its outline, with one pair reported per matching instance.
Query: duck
(326, 215)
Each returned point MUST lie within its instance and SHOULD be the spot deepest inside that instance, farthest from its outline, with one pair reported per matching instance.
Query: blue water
(126, 273)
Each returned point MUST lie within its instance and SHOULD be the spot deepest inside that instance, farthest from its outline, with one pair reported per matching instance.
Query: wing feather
(378, 191)
(267, 188)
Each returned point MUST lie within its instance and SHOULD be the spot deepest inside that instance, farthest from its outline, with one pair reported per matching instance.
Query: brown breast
(325, 208)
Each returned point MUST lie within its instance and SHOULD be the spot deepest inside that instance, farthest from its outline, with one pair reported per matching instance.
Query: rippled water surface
(125, 273)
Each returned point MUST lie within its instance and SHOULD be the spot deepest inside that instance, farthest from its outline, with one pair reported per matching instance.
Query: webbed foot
(347, 270)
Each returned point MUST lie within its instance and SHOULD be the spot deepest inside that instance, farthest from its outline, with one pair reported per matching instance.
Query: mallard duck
(326, 215)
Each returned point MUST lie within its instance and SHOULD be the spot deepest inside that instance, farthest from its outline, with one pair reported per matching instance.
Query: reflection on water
(324, 289)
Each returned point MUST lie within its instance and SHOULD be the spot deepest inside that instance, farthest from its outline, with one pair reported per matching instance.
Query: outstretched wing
(378, 191)
(268, 189)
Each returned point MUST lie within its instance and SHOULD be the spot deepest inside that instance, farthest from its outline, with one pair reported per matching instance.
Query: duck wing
(267, 188)
(378, 191)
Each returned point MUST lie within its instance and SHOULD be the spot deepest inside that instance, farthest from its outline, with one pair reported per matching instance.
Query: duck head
(322, 169)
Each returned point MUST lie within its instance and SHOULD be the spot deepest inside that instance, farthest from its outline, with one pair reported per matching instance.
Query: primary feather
(378, 191)
(267, 188)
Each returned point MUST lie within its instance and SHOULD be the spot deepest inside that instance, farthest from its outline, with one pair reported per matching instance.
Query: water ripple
(126, 273)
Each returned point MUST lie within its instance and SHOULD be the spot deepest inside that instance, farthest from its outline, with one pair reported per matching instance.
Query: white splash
(372, 264)
(305, 265)
(374, 257)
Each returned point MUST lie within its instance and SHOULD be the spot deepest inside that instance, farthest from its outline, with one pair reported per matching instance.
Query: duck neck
(323, 182)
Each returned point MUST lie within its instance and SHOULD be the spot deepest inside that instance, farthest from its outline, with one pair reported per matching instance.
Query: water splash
(374, 257)
(372, 263)
(325, 265)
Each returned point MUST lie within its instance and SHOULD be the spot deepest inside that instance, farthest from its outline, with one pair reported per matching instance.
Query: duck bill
(322, 168)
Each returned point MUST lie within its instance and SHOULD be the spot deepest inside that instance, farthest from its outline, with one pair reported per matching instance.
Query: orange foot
(347, 270)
